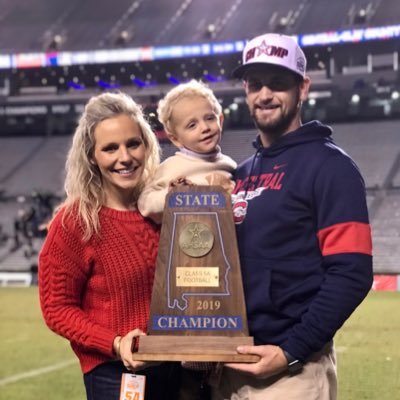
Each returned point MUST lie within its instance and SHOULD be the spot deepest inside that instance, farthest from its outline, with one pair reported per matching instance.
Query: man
(303, 233)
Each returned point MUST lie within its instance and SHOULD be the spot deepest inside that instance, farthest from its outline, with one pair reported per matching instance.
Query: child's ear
(174, 140)
(221, 119)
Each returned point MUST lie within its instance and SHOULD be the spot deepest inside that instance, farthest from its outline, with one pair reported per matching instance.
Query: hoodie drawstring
(259, 150)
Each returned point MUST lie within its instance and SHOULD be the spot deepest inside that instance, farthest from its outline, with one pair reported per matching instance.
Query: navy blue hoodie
(304, 239)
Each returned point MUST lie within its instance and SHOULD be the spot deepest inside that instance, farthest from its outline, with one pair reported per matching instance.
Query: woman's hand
(123, 350)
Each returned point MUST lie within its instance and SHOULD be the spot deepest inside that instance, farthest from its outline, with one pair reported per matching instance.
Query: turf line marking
(36, 372)
(16, 339)
(340, 349)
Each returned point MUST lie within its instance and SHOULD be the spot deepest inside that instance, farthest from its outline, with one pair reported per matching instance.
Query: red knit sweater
(91, 292)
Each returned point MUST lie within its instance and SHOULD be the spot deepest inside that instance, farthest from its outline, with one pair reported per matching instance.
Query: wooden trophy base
(197, 309)
(193, 348)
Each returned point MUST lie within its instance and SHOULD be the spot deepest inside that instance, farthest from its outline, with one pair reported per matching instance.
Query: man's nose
(265, 92)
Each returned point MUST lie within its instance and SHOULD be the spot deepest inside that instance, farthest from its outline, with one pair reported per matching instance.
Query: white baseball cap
(275, 49)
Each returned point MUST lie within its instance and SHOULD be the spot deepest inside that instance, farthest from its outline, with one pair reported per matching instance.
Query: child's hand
(218, 179)
(180, 182)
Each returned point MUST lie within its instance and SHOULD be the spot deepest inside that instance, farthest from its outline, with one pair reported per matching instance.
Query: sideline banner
(387, 283)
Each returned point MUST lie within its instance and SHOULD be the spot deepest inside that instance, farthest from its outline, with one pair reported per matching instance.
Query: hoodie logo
(239, 209)
(246, 190)
(269, 181)
(240, 204)
(278, 166)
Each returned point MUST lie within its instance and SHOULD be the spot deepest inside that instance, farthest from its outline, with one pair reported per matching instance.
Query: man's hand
(272, 361)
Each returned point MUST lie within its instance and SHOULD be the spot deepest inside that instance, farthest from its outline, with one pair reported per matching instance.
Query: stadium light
(355, 99)
(174, 80)
(234, 106)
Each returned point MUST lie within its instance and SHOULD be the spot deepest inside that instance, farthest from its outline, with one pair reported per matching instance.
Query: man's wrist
(294, 365)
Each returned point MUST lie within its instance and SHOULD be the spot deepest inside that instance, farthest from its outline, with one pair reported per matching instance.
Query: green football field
(37, 364)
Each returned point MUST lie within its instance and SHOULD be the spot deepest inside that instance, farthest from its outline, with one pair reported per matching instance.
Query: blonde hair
(83, 182)
(189, 89)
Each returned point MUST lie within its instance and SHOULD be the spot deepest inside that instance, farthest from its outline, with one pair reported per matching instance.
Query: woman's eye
(134, 143)
(110, 149)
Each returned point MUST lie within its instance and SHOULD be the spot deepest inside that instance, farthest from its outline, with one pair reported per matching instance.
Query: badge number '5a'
(132, 395)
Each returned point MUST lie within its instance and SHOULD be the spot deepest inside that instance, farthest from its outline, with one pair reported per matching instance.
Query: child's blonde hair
(189, 89)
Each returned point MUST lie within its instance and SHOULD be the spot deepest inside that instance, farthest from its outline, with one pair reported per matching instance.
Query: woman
(97, 264)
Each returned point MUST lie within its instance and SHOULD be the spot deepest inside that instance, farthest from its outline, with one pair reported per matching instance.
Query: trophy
(197, 309)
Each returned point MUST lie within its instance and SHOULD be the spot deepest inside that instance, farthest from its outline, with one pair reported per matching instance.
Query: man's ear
(304, 88)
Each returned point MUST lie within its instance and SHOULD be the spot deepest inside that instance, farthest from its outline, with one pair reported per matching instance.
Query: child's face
(195, 125)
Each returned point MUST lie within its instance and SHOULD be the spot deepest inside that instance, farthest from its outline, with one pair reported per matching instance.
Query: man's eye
(277, 85)
(254, 85)
(280, 85)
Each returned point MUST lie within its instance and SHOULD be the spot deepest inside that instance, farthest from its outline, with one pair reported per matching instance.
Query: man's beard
(279, 126)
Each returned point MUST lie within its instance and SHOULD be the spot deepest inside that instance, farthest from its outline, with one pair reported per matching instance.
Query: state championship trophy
(197, 310)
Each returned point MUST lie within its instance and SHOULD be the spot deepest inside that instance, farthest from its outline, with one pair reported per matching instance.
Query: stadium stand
(386, 234)
(356, 89)
(379, 165)
(193, 23)
(360, 141)
(14, 152)
(16, 254)
(40, 161)
(387, 13)
(277, 16)
(396, 180)
(91, 20)
(25, 22)
(42, 170)
(324, 15)
(94, 24)
(136, 23)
